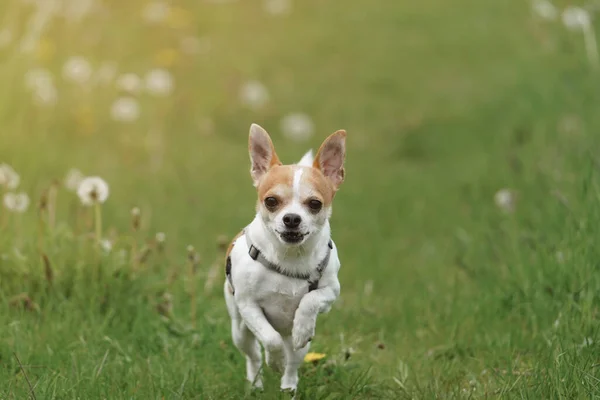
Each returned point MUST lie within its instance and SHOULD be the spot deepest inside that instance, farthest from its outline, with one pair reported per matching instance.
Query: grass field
(445, 294)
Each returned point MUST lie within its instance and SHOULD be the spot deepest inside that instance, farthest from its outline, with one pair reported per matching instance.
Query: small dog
(282, 268)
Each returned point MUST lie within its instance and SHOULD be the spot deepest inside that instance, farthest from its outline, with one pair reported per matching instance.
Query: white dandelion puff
(16, 202)
(9, 178)
(195, 45)
(368, 289)
(77, 69)
(93, 190)
(45, 95)
(544, 9)
(155, 12)
(278, 7)
(125, 109)
(159, 82)
(160, 237)
(36, 78)
(73, 179)
(130, 83)
(576, 18)
(106, 245)
(254, 94)
(297, 126)
(505, 200)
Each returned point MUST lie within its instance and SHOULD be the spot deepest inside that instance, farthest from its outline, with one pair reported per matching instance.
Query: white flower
(161, 237)
(106, 72)
(575, 18)
(278, 7)
(125, 109)
(297, 126)
(106, 245)
(45, 95)
(6, 38)
(38, 77)
(77, 69)
(505, 200)
(16, 202)
(130, 83)
(195, 45)
(9, 177)
(73, 179)
(155, 12)
(159, 82)
(544, 9)
(254, 94)
(92, 190)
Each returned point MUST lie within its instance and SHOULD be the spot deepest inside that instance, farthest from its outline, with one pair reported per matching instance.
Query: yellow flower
(313, 357)
(178, 18)
(166, 58)
(45, 49)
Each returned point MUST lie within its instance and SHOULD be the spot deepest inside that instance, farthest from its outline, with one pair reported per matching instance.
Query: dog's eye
(315, 205)
(271, 203)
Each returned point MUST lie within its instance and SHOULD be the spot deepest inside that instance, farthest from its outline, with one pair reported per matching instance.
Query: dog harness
(257, 255)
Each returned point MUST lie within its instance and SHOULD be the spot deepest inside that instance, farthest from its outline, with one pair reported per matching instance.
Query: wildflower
(254, 94)
(130, 83)
(38, 77)
(297, 126)
(135, 218)
(93, 190)
(125, 109)
(576, 18)
(314, 357)
(16, 202)
(77, 69)
(6, 38)
(195, 45)
(106, 245)
(545, 9)
(45, 95)
(160, 237)
(159, 82)
(368, 289)
(155, 12)
(9, 177)
(73, 179)
(505, 200)
(278, 7)
(106, 72)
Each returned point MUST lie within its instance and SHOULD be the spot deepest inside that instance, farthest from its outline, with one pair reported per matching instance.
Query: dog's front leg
(255, 320)
(313, 303)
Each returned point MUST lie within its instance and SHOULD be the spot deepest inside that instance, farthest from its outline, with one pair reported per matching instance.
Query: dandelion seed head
(93, 190)
(159, 82)
(73, 179)
(155, 12)
(38, 77)
(544, 9)
(277, 7)
(77, 69)
(106, 245)
(125, 109)
(575, 18)
(160, 237)
(135, 212)
(16, 202)
(505, 200)
(130, 83)
(254, 95)
(297, 126)
(9, 177)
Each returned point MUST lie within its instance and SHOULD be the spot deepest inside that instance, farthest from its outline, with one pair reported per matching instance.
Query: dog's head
(294, 201)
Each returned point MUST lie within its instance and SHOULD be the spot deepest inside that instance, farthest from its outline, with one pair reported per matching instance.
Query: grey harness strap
(257, 255)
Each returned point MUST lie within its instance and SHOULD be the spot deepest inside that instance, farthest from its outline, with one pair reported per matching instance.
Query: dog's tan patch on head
(318, 185)
(277, 183)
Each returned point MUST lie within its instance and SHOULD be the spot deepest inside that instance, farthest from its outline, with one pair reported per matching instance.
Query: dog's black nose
(292, 220)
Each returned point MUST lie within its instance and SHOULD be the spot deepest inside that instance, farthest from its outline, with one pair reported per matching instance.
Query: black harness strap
(257, 255)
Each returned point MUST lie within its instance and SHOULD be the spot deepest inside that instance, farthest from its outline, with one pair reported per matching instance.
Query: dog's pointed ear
(262, 153)
(330, 158)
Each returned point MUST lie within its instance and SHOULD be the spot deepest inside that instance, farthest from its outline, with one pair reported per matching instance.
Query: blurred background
(466, 225)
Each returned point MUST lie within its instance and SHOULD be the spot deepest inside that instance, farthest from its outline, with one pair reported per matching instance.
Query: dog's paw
(302, 333)
(291, 392)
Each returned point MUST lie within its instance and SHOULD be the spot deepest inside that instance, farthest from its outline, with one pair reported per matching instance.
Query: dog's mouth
(292, 237)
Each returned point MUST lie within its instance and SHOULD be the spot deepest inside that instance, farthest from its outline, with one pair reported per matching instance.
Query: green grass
(445, 103)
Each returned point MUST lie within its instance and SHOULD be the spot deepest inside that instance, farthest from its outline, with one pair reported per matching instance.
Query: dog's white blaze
(296, 184)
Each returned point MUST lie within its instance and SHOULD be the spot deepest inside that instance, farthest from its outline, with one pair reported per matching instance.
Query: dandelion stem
(98, 222)
(591, 46)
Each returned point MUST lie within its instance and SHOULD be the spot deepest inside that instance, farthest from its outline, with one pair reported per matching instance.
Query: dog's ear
(262, 153)
(330, 158)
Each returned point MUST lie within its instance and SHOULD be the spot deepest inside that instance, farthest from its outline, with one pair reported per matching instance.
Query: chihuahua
(281, 270)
